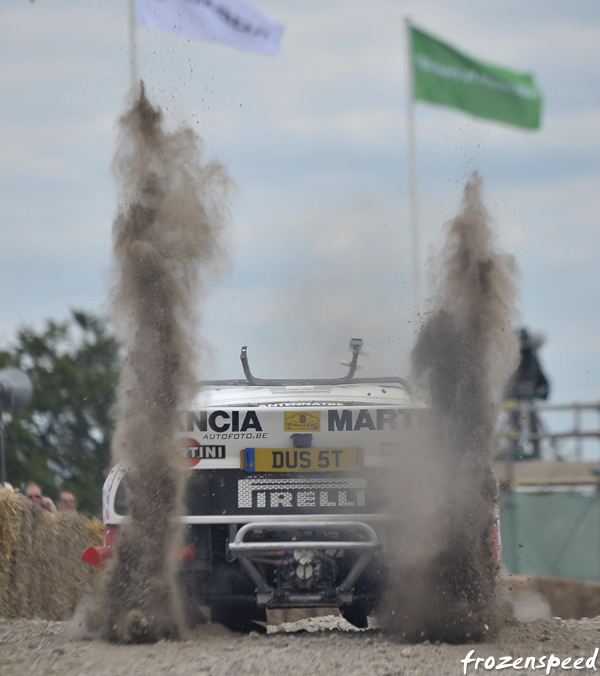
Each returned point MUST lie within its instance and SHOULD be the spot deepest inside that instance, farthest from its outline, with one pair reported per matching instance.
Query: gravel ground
(324, 645)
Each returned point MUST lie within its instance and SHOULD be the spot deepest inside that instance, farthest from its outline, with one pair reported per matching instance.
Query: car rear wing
(356, 345)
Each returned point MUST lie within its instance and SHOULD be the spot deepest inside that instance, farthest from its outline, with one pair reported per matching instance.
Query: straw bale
(95, 532)
(10, 517)
(41, 574)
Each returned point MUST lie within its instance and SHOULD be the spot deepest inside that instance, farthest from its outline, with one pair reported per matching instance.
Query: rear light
(497, 545)
(187, 553)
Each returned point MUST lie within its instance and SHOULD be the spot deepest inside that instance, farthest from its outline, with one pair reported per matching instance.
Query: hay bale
(41, 573)
(95, 532)
(10, 517)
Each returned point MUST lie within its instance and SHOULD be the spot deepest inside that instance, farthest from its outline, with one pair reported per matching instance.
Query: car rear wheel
(356, 614)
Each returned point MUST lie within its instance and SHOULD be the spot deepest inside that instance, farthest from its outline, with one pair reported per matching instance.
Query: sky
(316, 142)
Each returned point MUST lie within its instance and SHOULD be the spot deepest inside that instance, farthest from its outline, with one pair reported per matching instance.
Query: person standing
(527, 385)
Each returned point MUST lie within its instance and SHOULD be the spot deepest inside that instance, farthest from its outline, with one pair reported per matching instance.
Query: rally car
(284, 499)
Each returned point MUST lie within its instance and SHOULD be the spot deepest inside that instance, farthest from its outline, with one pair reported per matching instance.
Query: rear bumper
(363, 542)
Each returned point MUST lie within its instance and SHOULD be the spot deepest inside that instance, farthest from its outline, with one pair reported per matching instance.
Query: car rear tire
(356, 614)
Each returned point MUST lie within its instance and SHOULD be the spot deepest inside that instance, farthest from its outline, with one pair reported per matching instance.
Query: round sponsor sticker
(190, 451)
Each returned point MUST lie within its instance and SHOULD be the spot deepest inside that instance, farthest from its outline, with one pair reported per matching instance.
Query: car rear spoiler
(355, 347)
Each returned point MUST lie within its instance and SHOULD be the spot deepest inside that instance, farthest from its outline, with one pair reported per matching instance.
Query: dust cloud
(444, 491)
(166, 242)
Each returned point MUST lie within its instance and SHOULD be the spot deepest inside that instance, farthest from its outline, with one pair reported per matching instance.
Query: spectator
(527, 384)
(66, 502)
(34, 494)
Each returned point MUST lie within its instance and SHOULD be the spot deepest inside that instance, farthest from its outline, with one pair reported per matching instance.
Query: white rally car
(284, 500)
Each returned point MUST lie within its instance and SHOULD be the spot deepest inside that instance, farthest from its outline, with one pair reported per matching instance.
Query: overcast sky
(315, 139)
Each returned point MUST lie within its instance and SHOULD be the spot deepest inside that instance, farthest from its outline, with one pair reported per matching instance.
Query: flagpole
(412, 172)
(133, 61)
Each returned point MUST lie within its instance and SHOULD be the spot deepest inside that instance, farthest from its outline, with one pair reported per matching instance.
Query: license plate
(301, 459)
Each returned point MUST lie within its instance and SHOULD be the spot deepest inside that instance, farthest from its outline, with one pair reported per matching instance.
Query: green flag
(448, 77)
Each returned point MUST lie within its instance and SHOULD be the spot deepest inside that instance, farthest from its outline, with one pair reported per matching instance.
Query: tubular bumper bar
(343, 592)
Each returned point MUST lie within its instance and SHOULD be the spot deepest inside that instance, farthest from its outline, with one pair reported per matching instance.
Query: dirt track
(315, 646)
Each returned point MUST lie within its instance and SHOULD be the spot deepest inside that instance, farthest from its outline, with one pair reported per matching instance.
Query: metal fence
(550, 431)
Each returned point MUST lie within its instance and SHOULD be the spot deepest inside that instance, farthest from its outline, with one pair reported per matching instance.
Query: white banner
(230, 21)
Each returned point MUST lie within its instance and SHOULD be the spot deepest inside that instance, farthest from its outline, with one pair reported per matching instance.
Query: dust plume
(166, 241)
(445, 580)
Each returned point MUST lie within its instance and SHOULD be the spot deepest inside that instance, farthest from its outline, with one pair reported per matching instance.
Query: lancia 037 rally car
(284, 501)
